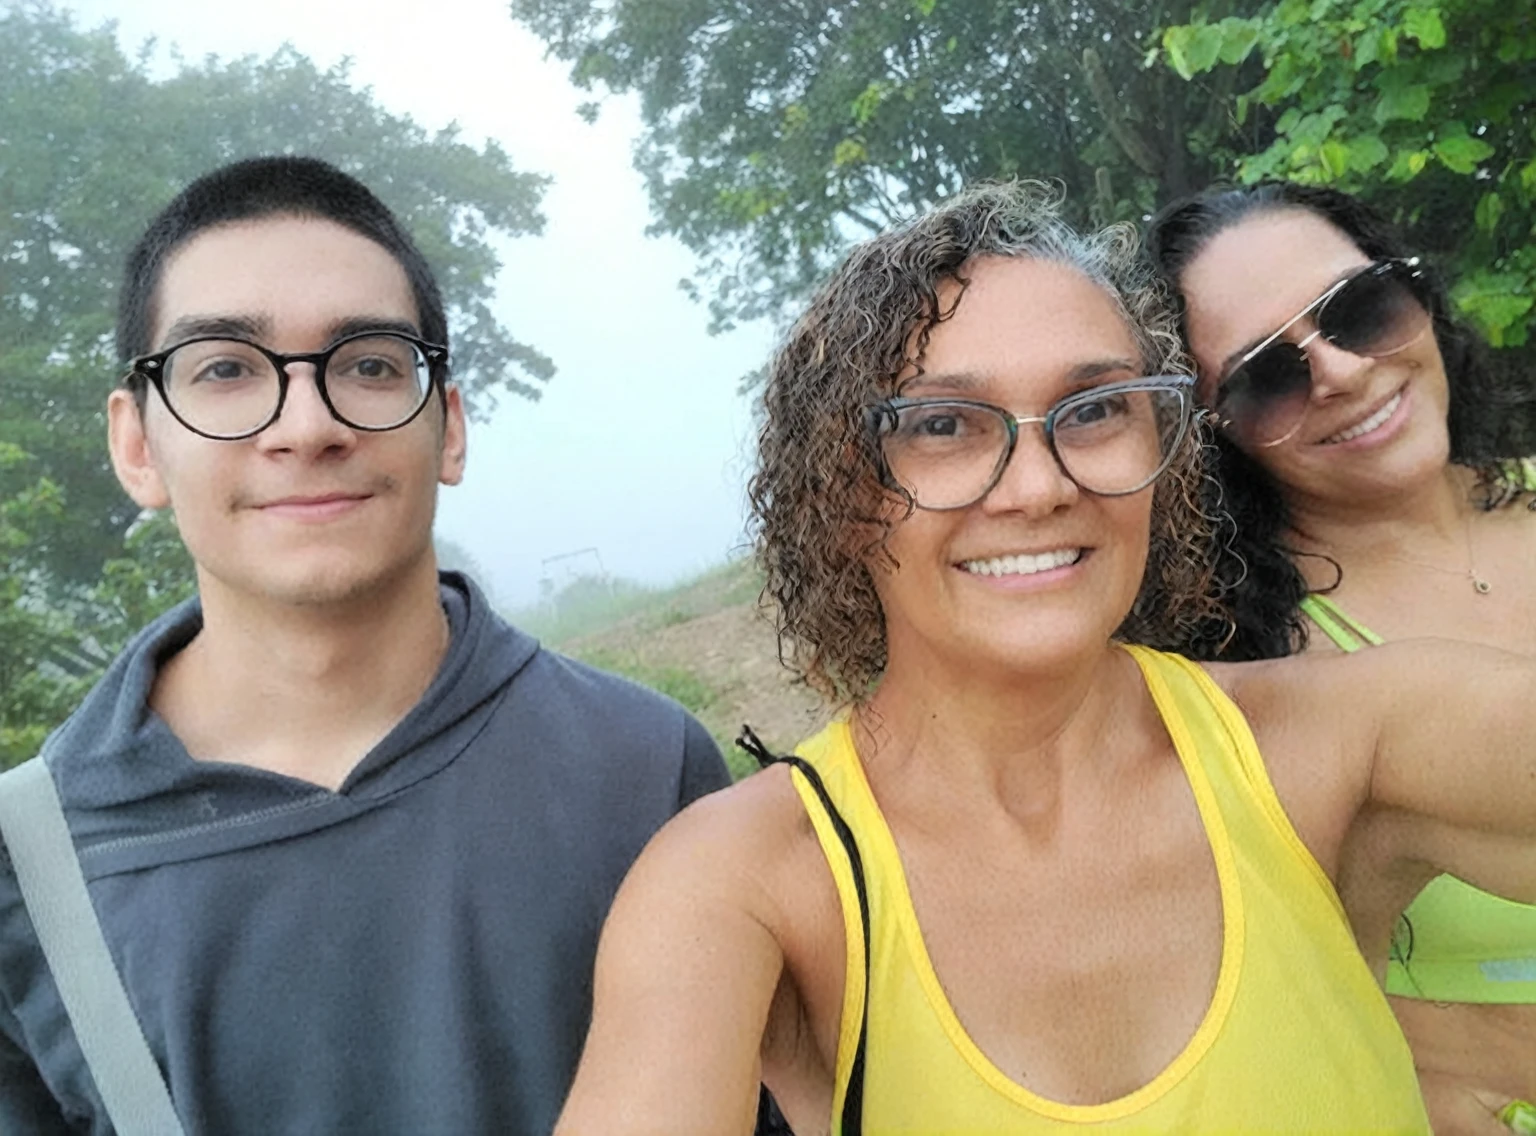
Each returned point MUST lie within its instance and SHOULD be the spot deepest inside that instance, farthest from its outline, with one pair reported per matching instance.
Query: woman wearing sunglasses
(1029, 879)
(1357, 432)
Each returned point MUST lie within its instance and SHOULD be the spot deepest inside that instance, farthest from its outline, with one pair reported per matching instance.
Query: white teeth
(1023, 565)
(1369, 424)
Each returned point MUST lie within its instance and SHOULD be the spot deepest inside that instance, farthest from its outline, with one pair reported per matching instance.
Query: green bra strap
(1347, 633)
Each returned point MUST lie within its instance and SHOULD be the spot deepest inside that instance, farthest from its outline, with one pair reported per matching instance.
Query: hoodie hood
(121, 773)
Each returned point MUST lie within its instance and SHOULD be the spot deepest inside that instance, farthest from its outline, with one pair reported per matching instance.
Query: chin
(1035, 645)
(318, 585)
(1418, 457)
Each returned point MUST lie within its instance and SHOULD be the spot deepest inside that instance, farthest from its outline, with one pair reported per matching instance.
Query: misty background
(531, 145)
(639, 444)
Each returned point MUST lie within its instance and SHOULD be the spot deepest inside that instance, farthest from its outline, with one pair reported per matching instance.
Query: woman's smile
(1027, 571)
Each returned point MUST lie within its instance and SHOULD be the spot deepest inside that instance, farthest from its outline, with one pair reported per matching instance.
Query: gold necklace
(1479, 585)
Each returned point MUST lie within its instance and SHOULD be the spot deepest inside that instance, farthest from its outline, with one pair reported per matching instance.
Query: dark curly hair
(1256, 571)
(821, 512)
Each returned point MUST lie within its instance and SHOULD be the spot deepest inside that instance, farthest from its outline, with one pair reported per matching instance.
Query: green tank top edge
(1461, 980)
(1347, 632)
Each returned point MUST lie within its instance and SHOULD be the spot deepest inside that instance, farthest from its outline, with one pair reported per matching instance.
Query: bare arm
(1454, 766)
(686, 971)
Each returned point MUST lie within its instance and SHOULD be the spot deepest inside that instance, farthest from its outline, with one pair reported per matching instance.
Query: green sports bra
(1455, 943)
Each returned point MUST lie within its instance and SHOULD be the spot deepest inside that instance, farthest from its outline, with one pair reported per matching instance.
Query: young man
(349, 837)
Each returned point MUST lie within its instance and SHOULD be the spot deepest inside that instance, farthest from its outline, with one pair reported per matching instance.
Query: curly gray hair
(818, 487)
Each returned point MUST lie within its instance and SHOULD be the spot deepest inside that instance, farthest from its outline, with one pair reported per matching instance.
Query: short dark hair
(252, 189)
(1263, 587)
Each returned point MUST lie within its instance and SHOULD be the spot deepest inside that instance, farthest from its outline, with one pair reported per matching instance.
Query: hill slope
(705, 644)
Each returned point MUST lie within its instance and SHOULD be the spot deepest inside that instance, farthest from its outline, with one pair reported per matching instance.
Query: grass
(589, 607)
(684, 686)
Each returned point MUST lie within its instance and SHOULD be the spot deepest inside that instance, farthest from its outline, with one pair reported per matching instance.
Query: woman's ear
(132, 460)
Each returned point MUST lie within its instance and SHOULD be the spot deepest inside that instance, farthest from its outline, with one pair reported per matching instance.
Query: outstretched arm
(1455, 760)
(686, 972)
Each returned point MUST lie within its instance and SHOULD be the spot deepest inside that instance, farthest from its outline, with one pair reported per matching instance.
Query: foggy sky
(640, 444)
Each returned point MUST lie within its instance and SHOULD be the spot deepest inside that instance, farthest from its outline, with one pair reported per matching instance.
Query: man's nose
(306, 422)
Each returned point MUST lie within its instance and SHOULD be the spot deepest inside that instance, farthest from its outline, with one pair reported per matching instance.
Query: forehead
(1025, 319)
(1254, 276)
(299, 274)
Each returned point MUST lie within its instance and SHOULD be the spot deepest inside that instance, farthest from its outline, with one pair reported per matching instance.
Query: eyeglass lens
(224, 387)
(949, 455)
(1374, 314)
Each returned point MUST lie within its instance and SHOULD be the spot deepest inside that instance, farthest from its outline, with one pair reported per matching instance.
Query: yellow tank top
(1297, 1037)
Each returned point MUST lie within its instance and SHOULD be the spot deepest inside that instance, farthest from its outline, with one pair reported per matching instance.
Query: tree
(779, 131)
(90, 148)
(1423, 107)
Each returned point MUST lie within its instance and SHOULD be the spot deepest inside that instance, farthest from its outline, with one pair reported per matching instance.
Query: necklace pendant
(1480, 585)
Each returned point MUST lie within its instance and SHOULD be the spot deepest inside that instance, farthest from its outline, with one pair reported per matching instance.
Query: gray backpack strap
(53, 888)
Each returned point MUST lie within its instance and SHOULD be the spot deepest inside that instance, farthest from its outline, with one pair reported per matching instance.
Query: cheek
(195, 473)
(912, 546)
(1130, 520)
(917, 541)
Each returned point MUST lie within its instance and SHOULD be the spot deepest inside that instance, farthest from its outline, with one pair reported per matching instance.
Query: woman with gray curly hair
(1030, 877)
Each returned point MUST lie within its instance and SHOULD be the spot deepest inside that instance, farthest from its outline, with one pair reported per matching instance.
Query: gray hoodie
(410, 954)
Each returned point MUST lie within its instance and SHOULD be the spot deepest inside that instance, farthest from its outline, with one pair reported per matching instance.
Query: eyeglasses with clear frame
(229, 389)
(1111, 440)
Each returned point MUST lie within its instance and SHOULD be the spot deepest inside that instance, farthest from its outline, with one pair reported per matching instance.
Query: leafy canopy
(1424, 107)
(778, 132)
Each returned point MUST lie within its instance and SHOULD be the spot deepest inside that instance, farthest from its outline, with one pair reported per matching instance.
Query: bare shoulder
(1315, 739)
(1338, 730)
(748, 846)
(1336, 690)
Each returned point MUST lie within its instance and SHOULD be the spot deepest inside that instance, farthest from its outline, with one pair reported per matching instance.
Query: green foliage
(91, 146)
(777, 133)
(1423, 107)
(679, 684)
(32, 697)
(582, 617)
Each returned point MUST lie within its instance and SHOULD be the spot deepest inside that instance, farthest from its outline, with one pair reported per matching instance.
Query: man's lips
(320, 506)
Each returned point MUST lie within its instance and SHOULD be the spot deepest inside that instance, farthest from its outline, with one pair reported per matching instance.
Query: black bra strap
(853, 1097)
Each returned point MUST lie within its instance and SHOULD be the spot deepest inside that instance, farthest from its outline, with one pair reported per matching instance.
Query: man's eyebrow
(190, 327)
(358, 325)
(260, 327)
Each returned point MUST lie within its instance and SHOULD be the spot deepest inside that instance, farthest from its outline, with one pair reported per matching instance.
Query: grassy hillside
(704, 643)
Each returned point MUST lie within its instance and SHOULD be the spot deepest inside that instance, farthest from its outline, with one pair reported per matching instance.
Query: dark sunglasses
(1378, 311)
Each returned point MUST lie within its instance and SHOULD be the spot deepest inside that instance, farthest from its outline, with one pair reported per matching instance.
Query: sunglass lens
(1263, 401)
(1377, 313)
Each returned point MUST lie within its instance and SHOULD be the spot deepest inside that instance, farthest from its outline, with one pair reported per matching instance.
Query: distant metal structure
(556, 573)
